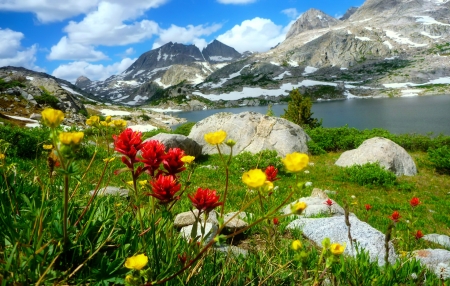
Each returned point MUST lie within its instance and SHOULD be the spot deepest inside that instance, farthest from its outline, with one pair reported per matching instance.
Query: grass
(30, 241)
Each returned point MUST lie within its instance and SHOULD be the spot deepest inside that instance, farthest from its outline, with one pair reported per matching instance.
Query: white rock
(209, 234)
(316, 206)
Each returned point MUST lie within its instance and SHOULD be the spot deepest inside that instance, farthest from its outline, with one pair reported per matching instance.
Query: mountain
(311, 20)
(348, 13)
(160, 68)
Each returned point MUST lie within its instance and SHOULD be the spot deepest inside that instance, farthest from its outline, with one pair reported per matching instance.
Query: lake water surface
(422, 114)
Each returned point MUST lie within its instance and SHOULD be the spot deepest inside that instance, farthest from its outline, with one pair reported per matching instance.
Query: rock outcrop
(311, 20)
(383, 151)
(252, 132)
(189, 146)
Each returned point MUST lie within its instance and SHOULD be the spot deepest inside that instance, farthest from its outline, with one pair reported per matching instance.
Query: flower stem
(65, 207)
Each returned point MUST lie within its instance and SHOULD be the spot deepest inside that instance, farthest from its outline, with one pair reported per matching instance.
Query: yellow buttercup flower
(107, 160)
(108, 119)
(295, 162)
(143, 182)
(254, 178)
(52, 117)
(71, 138)
(215, 138)
(2, 156)
(268, 186)
(187, 159)
(93, 121)
(296, 245)
(337, 249)
(298, 208)
(130, 183)
(120, 123)
(47, 146)
(136, 262)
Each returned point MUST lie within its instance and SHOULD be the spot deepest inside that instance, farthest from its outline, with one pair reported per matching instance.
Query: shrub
(247, 160)
(299, 111)
(184, 129)
(144, 117)
(13, 83)
(440, 157)
(369, 175)
(47, 98)
(25, 143)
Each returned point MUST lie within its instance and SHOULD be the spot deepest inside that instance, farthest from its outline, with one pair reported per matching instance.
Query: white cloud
(257, 35)
(291, 13)
(129, 51)
(236, 1)
(68, 50)
(73, 70)
(186, 35)
(12, 53)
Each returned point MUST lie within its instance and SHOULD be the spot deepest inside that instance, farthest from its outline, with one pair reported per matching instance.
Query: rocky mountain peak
(217, 52)
(349, 12)
(310, 20)
(82, 81)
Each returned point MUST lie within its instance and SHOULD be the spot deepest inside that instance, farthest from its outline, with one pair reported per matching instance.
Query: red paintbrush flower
(172, 161)
(395, 216)
(164, 189)
(275, 221)
(418, 235)
(152, 153)
(414, 202)
(128, 143)
(271, 174)
(328, 202)
(205, 200)
(368, 207)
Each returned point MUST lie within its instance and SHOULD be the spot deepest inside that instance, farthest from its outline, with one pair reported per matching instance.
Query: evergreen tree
(299, 111)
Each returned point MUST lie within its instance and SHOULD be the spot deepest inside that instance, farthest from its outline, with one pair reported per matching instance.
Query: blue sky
(99, 38)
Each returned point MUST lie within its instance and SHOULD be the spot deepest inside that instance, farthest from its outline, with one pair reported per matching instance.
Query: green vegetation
(7, 85)
(299, 111)
(47, 98)
(440, 157)
(369, 175)
(184, 129)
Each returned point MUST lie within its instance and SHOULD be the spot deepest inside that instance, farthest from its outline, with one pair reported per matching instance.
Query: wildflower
(164, 188)
(418, 235)
(152, 153)
(182, 258)
(215, 138)
(295, 162)
(205, 200)
(296, 245)
(414, 202)
(47, 146)
(128, 143)
(368, 207)
(337, 249)
(2, 156)
(71, 138)
(308, 184)
(108, 160)
(130, 183)
(119, 123)
(254, 178)
(328, 202)
(230, 142)
(306, 172)
(108, 119)
(271, 173)
(187, 159)
(93, 121)
(172, 161)
(268, 186)
(298, 208)
(136, 262)
(276, 221)
(395, 216)
(143, 182)
(52, 117)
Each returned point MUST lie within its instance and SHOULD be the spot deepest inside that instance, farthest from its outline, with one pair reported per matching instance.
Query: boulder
(316, 206)
(189, 146)
(207, 236)
(437, 260)
(111, 191)
(383, 151)
(441, 239)
(188, 218)
(252, 132)
(367, 237)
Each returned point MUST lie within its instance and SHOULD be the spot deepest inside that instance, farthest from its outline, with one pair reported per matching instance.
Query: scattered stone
(383, 151)
(231, 249)
(235, 223)
(252, 132)
(367, 237)
(210, 232)
(318, 193)
(316, 206)
(36, 116)
(437, 260)
(189, 146)
(441, 239)
(188, 218)
(111, 191)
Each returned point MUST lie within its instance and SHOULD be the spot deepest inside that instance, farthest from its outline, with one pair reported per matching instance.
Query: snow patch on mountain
(427, 20)
(401, 40)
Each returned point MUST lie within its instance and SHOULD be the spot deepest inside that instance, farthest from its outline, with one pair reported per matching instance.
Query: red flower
(276, 221)
(368, 207)
(152, 153)
(182, 258)
(172, 161)
(205, 200)
(328, 202)
(419, 235)
(164, 189)
(414, 202)
(395, 216)
(271, 173)
(128, 143)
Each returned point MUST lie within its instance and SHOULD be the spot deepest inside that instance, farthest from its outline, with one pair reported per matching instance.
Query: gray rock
(189, 146)
(231, 249)
(210, 232)
(111, 191)
(252, 132)
(434, 259)
(316, 206)
(383, 151)
(368, 238)
(441, 239)
(36, 116)
(188, 218)
(235, 223)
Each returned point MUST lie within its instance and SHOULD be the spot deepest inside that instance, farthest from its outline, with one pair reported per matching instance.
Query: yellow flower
(130, 183)
(298, 208)
(52, 117)
(230, 142)
(187, 159)
(107, 160)
(254, 178)
(47, 147)
(268, 186)
(71, 138)
(104, 123)
(143, 182)
(93, 120)
(296, 245)
(215, 138)
(295, 162)
(337, 249)
(2, 156)
(108, 119)
(120, 123)
(136, 262)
